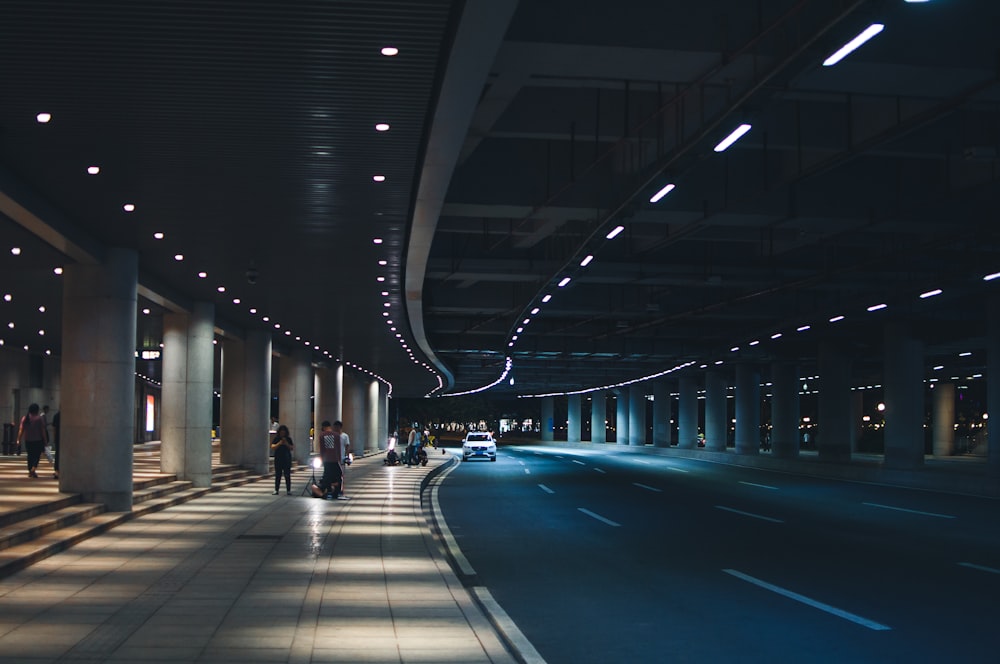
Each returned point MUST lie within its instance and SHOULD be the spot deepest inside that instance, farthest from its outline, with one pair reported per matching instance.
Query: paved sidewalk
(242, 575)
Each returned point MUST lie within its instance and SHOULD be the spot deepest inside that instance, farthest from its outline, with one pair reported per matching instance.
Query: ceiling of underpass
(520, 135)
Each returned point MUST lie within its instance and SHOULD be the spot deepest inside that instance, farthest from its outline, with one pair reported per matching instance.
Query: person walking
(411, 446)
(282, 446)
(32, 433)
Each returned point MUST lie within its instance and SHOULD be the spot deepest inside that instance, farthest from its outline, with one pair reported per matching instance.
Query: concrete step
(38, 531)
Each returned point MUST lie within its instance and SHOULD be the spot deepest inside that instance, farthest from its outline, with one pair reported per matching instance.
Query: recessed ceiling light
(253, 310)
(546, 298)
(854, 44)
(878, 307)
(380, 279)
(57, 270)
(378, 178)
(383, 263)
(385, 293)
(41, 309)
(202, 275)
(377, 240)
(535, 311)
(655, 198)
(930, 293)
(43, 118)
(836, 319)
(564, 281)
(178, 257)
(129, 207)
(736, 135)
(615, 232)
(16, 251)
(146, 311)
(157, 236)
(93, 170)
(221, 289)
(236, 300)
(390, 51)
(267, 319)
(382, 126)
(586, 261)
(7, 297)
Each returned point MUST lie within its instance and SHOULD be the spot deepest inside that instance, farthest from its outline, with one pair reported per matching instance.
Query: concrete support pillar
(186, 417)
(295, 387)
(637, 414)
(548, 419)
(747, 409)
(383, 416)
(574, 422)
(785, 410)
(375, 440)
(621, 416)
(98, 379)
(687, 413)
(943, 419)
(904, 398)
(598, 417)
(857, 412)
(834, 439)
(993, 387)
(355, 416)
(661, 414)
(329, 399)
(246, 401)
(716, 411)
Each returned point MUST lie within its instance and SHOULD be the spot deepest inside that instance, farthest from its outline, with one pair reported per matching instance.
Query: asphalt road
(605, 557)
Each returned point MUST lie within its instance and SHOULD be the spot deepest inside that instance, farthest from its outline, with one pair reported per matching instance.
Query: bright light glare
(854, 44)
(991, 277)
(661, 193)
(732, 138)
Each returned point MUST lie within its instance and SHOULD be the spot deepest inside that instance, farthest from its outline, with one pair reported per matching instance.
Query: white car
(479, 445)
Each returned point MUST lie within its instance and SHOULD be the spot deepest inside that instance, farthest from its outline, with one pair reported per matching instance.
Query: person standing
(411, 446)
(334, 445)
(32, 433)
(282, 446)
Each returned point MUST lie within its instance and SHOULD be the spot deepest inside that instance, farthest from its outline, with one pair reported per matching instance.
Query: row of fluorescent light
(723, 145)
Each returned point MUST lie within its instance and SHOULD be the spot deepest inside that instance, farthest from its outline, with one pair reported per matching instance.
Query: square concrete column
(943, 419)
(637, 414)
(598, 417)
(356, 410)
(98, 379)
(188, 363)
(785, 410)
(716, 411)
(246, 401)
(574, 422)
(747, 409)
(548, 419)
(329, 390)
(383, 415)
(375, 441)
(687, 413)
(295, 387)
(621, 416)
(834, 438)
(904, 397)
(661, 414)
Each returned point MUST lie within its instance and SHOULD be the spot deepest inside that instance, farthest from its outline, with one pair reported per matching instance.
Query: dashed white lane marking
(545, 488)
(599, 517)
(521, 462)
(647, 487)
(527, 471)
(677, 470)
(601, 470)
(750, 514)
(840, 613)
(760, 486)
(903, 509)
(981, 568)
(579, 462)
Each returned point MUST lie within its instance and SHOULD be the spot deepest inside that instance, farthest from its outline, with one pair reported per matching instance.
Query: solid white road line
(545, 488)
(579, 462)
(750, 514)
(760, 486)
(677, 470)
(645, 461)
(981, 568)
(864, 622)
(599, 517)
(508, 627)
(647, 487)
(903, 509)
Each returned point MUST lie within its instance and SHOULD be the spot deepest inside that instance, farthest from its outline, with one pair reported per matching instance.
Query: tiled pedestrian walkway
(241, 575)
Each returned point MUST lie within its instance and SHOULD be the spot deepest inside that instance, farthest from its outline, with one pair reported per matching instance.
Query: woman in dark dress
(282, 447)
